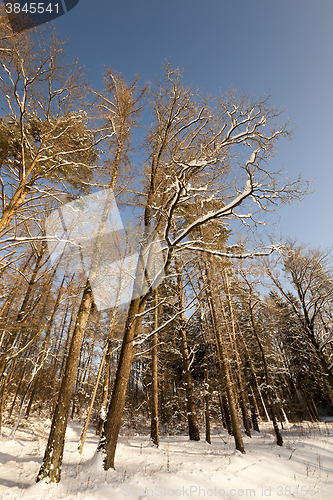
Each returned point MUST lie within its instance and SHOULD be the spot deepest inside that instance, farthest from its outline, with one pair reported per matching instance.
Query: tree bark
(154, 429)
(93, 396)
(108, 442)
(24, 310)
(279, 439)
(106, 381)
(233, 344)
(225, 368)
(51, 466)
(193, 426)
(207, 398)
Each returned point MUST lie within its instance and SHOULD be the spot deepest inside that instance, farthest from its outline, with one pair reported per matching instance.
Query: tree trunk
(234, 347)
(207, 398)
(193, 426)
(93, 396)
(279, 440)
(245, 416)
(254, 382)
(226, 420)
(108, 442)
(46, 340)
(225, 368)
(18, 387)
(251, 399)
(106, 381)
(23, 312)
(154, 431)
(253, 409)
(52, 462)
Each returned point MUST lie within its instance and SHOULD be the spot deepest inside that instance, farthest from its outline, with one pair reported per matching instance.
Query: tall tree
(120, 108)
(190, 151)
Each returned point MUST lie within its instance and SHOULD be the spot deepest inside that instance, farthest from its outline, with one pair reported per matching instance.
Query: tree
(193, 425)
(251, 302)
(120, 109)
(47, 146)
(154, 429)
(191, 146)
(309, 272)
(303, 381)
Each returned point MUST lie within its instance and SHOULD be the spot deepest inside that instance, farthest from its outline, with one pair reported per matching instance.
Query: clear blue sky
(283, 47)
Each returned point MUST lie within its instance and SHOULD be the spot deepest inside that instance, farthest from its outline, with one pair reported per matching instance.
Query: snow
(179, 468)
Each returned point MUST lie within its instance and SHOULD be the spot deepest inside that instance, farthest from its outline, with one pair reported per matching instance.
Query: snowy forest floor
(302, 468)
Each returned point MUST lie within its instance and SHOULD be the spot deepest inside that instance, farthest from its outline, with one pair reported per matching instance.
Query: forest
(230, 329)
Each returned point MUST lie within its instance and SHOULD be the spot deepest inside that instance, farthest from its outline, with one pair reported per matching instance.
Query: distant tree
(252, 302)
(309, 273)
(303, 381)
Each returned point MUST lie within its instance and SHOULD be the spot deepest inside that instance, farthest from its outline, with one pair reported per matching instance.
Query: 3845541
(31, 8)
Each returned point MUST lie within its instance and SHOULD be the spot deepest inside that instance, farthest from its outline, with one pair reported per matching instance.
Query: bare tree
(191, 148)
(119, 109)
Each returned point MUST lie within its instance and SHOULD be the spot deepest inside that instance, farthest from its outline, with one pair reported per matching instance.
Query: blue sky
(282, 47)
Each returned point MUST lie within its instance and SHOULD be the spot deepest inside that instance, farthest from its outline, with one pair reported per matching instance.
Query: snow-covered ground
(302, 468)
